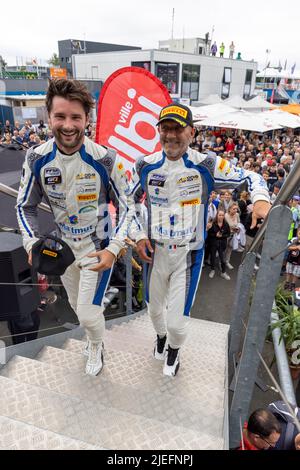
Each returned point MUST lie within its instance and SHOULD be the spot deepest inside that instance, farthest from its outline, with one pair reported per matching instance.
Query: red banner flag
(128, 111)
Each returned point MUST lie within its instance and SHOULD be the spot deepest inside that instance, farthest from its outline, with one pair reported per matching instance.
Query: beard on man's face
(68, 139)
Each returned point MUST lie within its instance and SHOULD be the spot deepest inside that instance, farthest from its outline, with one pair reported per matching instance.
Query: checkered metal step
(15, 435)
(130, 405)
(92, 422)
(193, 414)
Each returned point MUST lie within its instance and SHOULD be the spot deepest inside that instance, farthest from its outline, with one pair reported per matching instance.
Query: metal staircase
(47, 402)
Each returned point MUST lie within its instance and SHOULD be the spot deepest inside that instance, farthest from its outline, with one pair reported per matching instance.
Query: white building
(186, 76)
(188, 45)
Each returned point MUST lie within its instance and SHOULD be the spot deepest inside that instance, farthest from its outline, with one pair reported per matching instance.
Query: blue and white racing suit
(78, 188)
(177, 194)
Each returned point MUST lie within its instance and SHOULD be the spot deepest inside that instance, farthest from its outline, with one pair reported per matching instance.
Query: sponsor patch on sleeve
(190, 202)
(223, 164)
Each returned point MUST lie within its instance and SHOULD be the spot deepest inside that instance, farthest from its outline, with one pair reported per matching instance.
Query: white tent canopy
(211, 99)
(212, 110)
(242, 120)
(236, 101)
(259, 102)
(284, 119)
(271, 72)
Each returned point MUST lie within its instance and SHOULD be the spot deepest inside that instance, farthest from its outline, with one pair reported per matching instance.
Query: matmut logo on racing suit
(66, 229)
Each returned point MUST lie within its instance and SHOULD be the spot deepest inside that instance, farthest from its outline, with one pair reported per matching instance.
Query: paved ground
(213, 301)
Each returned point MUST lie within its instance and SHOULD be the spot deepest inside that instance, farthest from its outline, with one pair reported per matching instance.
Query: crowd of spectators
(26, 135)
(230, 212)
(29, 135)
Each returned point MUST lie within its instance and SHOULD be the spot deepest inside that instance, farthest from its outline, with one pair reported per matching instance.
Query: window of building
(226, 82)
(143, 65)
(247, 86)
(227, 75)
(168, 75)
(190, 81)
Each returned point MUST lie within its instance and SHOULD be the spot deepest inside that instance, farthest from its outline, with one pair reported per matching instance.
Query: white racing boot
(86, 348)
(172, 363)
(160, 349)
(95, 359)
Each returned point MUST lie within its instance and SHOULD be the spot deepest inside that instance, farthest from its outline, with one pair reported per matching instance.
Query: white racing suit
(78, 189)
(177, 194)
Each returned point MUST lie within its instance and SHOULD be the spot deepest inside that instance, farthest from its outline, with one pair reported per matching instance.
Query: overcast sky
(254, 25)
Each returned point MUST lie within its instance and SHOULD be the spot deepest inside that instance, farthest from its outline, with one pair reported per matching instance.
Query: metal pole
(144, 283)
(173, 15)
(282, 363)
(128, 281)
(267, 52)
(240, 308)
(259, 317)
(211, 38)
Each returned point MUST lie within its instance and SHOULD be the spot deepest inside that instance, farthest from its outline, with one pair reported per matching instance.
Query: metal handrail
(285, 378)
(290, 186)
(14, 193)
